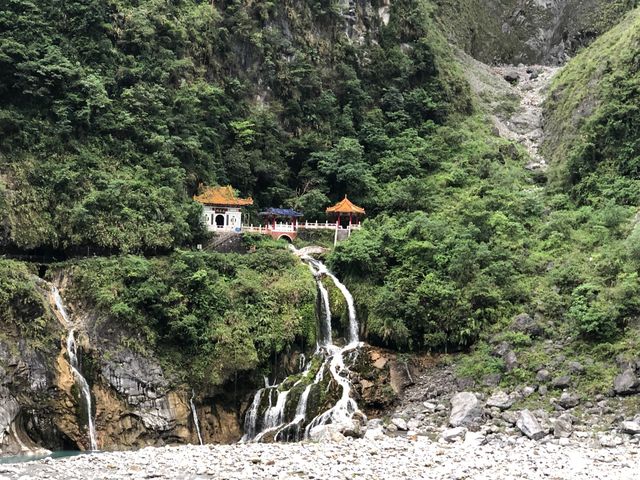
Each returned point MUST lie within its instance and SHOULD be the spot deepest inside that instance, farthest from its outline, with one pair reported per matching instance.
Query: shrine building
(222, 208)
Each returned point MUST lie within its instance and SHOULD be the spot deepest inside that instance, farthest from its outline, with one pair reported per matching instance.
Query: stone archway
(219, 220)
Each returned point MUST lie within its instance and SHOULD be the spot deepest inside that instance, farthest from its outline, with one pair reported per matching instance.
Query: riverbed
(380, 458)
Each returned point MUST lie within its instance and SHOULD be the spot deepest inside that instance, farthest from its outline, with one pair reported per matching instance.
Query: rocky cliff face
(528, 31)
(135, 402)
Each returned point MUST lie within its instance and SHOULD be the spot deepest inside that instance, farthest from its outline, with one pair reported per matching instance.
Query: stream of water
(273, 418)
(194, 414)
(72, 351)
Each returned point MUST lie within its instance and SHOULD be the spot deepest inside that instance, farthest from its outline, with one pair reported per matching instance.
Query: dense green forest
(113, 112)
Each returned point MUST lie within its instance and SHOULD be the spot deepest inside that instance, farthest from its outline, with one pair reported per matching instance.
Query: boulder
(465, 409)
(543, 375)
(529, 425)
(568, 400)
(400, 423)
(563, 427)
(374, 433)
(454, 434)
(500, 400)
(510, 360)
(525, 324)
(512, 77)
(610, 441)
(630, 427)
(626, 382)
(326, 434)
(561, 382)
(576, 367)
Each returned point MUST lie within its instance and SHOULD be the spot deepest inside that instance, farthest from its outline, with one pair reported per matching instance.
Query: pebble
(395, 457)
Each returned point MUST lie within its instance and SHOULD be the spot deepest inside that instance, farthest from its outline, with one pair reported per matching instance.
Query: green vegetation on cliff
(206, 315)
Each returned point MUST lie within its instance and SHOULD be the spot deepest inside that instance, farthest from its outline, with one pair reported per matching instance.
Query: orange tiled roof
(221, 196)
(345, 206)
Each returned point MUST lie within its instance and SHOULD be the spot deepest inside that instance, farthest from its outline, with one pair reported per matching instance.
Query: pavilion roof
(280, 212)
(222, 196)
(345, 206)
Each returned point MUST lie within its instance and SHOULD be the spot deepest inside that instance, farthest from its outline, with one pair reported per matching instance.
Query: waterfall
(344, 410)
(72, 351)
(194, 413)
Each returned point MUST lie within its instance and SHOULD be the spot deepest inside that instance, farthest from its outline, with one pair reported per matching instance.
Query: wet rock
(528, 391)
(630, 427)
(466, 409)
(568, 400)
(500, 400)
(454, 434)
(625, 383)
(561, 382)
(529, 425)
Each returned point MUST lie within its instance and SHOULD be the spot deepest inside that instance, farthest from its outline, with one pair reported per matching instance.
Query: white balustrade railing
(288, 227)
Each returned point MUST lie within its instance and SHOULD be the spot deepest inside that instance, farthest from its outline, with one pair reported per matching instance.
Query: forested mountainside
(113, 113)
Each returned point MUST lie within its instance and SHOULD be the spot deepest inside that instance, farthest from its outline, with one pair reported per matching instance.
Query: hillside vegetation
(113, 112)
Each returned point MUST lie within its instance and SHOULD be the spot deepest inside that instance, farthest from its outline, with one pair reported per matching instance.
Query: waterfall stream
(194, 414)
(332, 357)
(72, 351)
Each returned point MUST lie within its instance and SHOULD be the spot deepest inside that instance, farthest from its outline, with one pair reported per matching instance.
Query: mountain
(501, 201)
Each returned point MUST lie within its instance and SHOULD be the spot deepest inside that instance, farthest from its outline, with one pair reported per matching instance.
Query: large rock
(561, 382)
(529, 425)
(563, 427)
(510, 360)
(568, 400)
(500, 400)
(326, 434)
(466, 409)
(626, 382)
(630, 427)
(526, 324)
(454, 434)
(400, 423)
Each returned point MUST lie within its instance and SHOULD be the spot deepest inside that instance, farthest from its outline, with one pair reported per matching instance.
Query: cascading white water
(344, 410)
(194, 413)
(72, 351)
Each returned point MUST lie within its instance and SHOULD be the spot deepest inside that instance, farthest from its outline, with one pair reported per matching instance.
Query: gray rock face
(454, 434)
(9, 409)
(500, 400)
(142, 383)
(626, 382)
(465, 409)
(529, 425)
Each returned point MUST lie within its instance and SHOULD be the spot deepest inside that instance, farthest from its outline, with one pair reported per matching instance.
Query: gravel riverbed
(384, 458)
